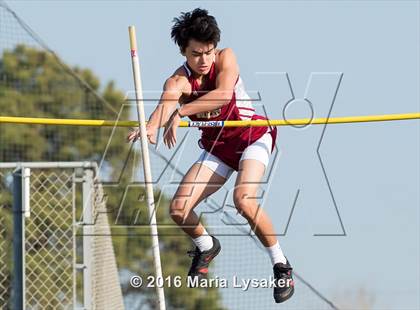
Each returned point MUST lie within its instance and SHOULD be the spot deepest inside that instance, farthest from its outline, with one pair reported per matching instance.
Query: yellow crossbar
(255, 123)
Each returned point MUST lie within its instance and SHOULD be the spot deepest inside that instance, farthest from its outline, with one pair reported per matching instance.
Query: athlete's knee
(178, 209)
(245, 205)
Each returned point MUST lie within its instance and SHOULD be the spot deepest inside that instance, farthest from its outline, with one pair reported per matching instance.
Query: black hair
(197, 25)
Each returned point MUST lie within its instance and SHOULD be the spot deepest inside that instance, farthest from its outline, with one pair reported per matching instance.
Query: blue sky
(370, 47)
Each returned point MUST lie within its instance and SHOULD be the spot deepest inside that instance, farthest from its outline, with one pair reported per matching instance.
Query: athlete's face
(200, 56)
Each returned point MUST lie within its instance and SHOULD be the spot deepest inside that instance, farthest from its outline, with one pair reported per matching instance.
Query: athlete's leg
(199, 183)
(248, 181)
(251, 170)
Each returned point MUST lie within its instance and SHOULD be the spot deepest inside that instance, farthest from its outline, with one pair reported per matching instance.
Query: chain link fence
(49, 240)
(64, 266)
(4, 272)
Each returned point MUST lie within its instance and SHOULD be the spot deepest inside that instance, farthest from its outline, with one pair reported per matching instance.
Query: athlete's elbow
(171, 89)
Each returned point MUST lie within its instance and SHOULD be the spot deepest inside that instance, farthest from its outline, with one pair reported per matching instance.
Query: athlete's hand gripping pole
(146, 163)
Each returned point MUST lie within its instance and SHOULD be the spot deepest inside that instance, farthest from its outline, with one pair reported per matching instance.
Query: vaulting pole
(146, 165)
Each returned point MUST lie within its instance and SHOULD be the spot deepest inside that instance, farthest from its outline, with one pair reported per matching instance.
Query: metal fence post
(88, 197)
(18, 242)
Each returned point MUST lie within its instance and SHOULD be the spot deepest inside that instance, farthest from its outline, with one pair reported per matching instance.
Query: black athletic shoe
(284, 285)
(201, 260)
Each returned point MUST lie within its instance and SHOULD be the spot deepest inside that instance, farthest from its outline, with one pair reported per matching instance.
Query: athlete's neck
(198, 77)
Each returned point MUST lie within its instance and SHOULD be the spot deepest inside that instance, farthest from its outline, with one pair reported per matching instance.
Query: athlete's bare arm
(174, 87)
(227, 76)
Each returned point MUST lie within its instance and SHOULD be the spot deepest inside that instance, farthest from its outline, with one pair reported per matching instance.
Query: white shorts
(259, 150)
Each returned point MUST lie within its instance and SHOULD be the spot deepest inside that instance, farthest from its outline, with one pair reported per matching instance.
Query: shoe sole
(283, 299)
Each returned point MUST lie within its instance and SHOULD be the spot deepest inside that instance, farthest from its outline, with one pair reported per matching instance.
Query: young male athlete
(209, 88)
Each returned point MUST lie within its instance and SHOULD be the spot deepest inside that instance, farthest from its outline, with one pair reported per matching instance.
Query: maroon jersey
(227, 143)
